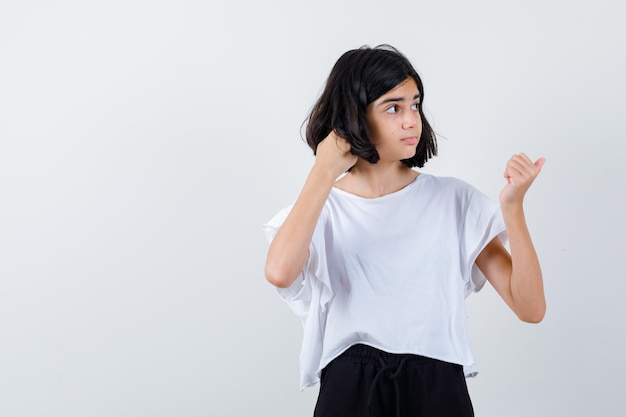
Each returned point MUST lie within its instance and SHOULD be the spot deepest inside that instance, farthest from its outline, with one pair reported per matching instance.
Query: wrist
(512, 209)
(323, 173)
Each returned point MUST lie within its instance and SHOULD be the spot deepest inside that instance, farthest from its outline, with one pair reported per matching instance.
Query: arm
(516, 277)
(289, 249)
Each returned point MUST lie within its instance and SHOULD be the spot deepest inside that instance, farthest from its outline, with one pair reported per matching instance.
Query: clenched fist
(333, 154)
(520, 172)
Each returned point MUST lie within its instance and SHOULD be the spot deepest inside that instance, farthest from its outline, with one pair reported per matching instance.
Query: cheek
(376, 133)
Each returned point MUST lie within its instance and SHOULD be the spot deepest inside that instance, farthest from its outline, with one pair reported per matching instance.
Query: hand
(333, 154)
(520, 173)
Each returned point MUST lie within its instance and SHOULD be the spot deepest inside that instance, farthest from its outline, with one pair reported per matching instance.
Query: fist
(520, 172)
(333, 153)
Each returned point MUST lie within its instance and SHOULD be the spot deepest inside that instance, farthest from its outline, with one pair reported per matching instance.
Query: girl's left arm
(516, 276)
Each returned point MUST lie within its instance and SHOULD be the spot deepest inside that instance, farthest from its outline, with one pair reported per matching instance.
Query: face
(394, 122)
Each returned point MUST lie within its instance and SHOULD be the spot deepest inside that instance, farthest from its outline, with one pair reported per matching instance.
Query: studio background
(143, 144)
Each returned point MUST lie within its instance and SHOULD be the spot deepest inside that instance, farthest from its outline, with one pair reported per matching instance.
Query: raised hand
(333, 154)
(290, 248)
(520, 172)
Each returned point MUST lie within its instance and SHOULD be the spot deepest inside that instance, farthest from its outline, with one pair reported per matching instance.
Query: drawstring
(392, 375)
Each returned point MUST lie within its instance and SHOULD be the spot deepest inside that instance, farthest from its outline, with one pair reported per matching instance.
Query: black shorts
(367, 382)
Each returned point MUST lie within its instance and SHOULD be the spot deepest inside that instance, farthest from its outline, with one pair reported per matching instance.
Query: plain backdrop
(143, 144)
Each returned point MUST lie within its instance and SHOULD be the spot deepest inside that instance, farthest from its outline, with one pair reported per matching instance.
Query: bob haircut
(359, 77)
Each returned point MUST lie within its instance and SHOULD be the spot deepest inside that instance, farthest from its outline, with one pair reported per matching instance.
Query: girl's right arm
(289, 249)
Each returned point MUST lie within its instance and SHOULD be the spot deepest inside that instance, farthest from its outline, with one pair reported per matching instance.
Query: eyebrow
(395, 99)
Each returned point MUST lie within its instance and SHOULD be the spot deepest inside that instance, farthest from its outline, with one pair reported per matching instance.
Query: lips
(410, 141)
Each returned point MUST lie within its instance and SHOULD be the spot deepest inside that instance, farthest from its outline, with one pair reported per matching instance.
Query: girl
(378, 263)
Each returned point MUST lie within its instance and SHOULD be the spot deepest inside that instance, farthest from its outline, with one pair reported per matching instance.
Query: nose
(411, 120)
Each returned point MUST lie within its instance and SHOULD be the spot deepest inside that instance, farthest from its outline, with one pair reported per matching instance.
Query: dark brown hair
(359, 77)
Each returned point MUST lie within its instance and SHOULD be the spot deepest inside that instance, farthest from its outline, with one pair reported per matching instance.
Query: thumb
(539, 163)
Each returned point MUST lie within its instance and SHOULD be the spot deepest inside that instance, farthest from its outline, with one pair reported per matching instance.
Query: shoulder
(279, 218)
(447, 185)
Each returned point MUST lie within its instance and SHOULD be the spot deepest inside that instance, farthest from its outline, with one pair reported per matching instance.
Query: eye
(393, 109)
(415, 106)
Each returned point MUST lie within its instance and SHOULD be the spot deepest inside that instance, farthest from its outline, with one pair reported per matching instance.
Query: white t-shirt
(392, 272)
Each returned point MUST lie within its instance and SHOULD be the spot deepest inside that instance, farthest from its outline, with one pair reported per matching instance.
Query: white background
(143, 143)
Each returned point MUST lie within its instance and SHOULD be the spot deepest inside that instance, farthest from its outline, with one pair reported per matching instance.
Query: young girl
(378, 263)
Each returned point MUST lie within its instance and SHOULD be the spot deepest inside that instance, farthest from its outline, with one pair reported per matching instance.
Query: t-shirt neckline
(383, 197)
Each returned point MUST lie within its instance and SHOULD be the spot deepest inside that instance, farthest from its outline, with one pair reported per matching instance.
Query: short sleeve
(483, 222)
(271, 228)
(313, 284)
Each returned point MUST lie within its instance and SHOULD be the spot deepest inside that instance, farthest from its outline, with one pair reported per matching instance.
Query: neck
(376, 180)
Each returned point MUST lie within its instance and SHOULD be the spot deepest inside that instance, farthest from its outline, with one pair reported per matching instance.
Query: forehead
(406, 89)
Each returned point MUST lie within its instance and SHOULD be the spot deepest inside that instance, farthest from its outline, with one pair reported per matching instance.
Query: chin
(410, 155)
